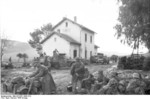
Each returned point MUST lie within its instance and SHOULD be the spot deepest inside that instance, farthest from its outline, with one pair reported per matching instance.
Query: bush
(122, 63)
(25, 65)
(131, 63)
(146, 64)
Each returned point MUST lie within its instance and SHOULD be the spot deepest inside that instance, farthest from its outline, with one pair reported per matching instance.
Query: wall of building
(87, 44)
(78, 34)
(56, 42)
(71, 30)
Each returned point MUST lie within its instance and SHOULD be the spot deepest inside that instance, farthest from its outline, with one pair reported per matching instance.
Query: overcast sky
(20, 17)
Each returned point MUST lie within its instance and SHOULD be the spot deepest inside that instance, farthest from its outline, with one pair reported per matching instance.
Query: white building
(71, 39)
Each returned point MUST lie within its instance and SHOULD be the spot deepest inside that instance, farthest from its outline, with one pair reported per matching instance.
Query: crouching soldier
(77, 72)
(122, 86)
(112, 85)
(147, 82)
(136, 85)
(87, 83)
(101, 80)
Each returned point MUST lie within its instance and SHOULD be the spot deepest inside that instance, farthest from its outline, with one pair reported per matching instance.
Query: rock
(107, 73)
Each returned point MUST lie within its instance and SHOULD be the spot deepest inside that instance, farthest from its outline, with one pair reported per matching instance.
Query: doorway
(74, 53)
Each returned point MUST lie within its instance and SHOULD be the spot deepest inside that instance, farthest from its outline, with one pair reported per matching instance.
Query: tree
(46, 29)
(24, 56)
(36, 37)
(19, 55)
(134, 23)
(39, 34)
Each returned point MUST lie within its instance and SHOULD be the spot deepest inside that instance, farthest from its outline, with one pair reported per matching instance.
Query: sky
(20, 17)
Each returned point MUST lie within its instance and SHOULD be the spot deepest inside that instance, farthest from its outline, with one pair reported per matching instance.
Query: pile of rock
(114, 81)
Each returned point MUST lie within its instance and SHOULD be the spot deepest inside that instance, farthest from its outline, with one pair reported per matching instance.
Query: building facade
(70, 38)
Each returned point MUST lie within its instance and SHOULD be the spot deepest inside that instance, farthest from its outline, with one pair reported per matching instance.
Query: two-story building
(70, 38)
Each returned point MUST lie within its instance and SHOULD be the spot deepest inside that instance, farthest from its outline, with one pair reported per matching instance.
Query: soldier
(112, 85)
(122, 87)
(101, 78)
(42, 74)
(147, 82)
(87, 83)
(86, 73)
(136, 85)
(45, 60)
(100, 81)
(77, 72)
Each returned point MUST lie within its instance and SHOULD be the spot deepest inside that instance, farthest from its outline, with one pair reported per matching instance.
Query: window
(55, 39)
(66, 24)
(85, 37)
(91, 39)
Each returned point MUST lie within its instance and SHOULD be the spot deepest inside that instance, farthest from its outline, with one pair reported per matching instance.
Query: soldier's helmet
(136, 75)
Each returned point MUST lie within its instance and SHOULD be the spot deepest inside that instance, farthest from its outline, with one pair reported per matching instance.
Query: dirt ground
(61, 77)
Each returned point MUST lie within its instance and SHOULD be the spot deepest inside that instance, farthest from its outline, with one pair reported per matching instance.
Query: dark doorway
(74, 53)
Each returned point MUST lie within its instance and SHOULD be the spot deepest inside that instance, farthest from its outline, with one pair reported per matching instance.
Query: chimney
(75, 19)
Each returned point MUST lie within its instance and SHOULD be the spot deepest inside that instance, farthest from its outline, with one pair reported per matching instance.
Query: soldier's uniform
(122, 87)
(87, 83)
(102, 78)
(136, 85)
(45, 60)
(147, 82)
(77, 72)
(101, 81)
(111, 87)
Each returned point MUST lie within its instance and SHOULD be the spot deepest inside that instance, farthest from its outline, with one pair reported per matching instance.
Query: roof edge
(83, 27)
